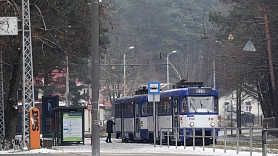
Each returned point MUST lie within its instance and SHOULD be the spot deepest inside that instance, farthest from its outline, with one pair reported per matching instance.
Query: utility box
(247, 119)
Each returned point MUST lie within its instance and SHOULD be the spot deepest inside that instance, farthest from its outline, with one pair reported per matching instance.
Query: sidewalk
(127, 154)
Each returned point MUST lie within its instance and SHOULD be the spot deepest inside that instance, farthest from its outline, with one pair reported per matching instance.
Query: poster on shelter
(72, 126)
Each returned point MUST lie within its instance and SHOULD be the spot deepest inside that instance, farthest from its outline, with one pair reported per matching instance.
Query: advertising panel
(72, 126)
(34, 128)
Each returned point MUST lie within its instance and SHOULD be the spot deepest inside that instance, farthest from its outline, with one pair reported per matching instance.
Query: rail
(264, 139)
(168, 132)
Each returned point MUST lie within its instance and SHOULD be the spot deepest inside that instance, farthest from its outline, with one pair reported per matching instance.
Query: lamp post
(132, 47)
(168, 67)
(67, 81)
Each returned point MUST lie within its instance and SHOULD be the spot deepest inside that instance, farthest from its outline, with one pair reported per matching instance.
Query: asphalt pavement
(101, 154)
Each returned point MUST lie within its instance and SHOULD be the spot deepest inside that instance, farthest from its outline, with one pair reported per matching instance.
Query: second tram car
(131, 118)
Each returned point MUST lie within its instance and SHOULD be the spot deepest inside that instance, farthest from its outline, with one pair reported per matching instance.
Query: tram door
(175, 117)
(137, 121)
(122, 119)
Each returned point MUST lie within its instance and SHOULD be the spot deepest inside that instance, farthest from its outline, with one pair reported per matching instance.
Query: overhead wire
(202, 31)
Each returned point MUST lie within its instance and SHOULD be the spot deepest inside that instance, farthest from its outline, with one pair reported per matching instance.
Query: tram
(188, 108)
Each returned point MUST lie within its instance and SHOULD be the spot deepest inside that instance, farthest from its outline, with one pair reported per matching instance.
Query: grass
(234, 135)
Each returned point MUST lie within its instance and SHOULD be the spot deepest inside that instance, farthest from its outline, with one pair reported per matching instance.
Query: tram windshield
(201, 104)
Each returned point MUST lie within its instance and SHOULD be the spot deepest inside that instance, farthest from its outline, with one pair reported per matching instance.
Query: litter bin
(47, 143)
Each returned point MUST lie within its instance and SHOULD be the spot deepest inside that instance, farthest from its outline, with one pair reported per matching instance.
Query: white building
(249, 105)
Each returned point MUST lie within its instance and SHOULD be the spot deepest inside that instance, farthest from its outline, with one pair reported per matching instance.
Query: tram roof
(132, 98)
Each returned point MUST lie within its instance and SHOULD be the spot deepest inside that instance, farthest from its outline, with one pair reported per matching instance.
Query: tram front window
(201, 104)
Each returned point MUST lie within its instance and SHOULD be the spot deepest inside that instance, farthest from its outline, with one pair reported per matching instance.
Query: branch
(41, 16)
(44, 42)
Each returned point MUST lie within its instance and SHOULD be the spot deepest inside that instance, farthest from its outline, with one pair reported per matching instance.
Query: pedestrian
(109, 129)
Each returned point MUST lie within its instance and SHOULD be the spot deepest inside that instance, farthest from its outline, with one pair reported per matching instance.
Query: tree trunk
(12, 106)
(262, 8)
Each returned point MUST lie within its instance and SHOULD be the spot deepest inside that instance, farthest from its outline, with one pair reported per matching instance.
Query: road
(110, 154)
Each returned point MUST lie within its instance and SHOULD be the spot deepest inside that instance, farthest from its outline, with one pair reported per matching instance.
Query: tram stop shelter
(69, 125)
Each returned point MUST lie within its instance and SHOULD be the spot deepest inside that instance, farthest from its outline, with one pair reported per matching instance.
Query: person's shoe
(106, 141)
(110, 142)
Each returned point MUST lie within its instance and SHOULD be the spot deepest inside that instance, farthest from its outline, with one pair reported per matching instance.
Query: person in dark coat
(109, 129)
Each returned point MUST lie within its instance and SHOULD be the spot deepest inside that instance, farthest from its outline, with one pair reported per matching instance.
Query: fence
(265, 141)
(168, 132)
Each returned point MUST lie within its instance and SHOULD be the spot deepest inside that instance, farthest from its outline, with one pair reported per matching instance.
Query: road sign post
(154, 96)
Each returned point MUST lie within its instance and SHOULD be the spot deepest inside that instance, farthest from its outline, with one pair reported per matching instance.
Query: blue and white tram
(131, 118)
(187, 109)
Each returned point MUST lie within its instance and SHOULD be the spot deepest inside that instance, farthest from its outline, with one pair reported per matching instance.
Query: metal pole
(154, 122)
(232, 115)
(124, 78)
(213, 137)
(251, 139)
(67, 81)
(167, 59)
(237, 139)
(193, 138)
(2, 105)
(27, 76)
(225, 141)
(264, 134)
(176, 136)
(184, 138)
(95, 75)
(168, 137)
(213, 64)
(203, 138)
(160, 137)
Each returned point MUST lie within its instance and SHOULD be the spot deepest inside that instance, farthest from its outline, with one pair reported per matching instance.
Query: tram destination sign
(200, 91)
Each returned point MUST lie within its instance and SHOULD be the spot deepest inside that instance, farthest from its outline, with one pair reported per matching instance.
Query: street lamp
(132, 47)
(168, 67)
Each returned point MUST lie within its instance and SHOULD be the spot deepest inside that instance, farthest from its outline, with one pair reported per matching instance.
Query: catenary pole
(95, 75)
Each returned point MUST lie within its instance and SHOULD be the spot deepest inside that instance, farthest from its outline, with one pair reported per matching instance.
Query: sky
(118, 147)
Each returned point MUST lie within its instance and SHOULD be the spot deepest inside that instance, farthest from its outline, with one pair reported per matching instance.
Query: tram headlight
(191, 124)
(212, 124)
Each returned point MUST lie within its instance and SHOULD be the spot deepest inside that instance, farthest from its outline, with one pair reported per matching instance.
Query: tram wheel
(124, 140)
(131, 138)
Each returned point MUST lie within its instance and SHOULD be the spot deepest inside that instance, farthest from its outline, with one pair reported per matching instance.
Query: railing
(264, 139)
(165, 132)
(176, 136)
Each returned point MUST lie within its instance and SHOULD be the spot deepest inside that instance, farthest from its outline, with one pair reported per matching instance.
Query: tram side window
(184, 104)
(150, 108)
(117, 110)
(144, 108)
(164, 106)
(127, 109)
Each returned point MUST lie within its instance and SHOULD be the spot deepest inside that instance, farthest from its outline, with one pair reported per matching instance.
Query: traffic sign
(249, 46)
(154, 96)
(230, 37)
(153, 87)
